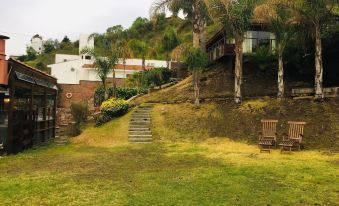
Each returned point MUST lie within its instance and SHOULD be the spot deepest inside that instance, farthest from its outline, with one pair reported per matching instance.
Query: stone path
(140, 125)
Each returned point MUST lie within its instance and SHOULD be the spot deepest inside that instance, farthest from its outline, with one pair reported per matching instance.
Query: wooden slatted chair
(268, 136)
(294, 137)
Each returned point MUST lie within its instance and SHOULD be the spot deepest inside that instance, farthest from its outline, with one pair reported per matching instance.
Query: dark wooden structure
(268, 136)
(27, 108)
(294, 137)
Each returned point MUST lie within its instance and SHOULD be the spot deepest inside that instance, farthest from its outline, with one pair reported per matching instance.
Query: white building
(71, 69)
(37, 44)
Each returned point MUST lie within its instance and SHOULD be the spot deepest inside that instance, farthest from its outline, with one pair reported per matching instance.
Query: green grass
(101, 168)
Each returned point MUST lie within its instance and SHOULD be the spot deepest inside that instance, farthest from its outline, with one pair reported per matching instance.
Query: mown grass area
(101, 168)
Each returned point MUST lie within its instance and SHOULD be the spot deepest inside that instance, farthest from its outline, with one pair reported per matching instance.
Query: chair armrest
(285, 136)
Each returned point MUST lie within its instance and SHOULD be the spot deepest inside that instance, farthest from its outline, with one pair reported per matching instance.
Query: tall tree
(236, 17)
(316, 15)
(103, 66)
(194, 9)
(196, 59)
(169, 42)
(111, 47)
(278, 14)
(139, 48)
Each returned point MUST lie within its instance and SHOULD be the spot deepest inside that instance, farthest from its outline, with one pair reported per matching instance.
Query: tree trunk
(196, 88)
(238, 70)
(167, 60)
(125, 78)
(143, 64)
(319, 94)
(114, 85)
(199, 25)
(105, 92)
(281, 84)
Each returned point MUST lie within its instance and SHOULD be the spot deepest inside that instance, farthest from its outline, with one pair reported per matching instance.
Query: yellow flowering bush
(112, 108)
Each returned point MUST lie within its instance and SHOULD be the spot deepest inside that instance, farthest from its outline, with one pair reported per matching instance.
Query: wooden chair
(294, 137)
(268, 136)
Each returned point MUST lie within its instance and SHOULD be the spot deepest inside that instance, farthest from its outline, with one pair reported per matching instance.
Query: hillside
(220, 117)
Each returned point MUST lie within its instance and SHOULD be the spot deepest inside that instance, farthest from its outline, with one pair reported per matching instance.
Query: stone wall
(63, 116)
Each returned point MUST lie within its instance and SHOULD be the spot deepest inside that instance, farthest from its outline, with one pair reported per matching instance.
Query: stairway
(140, 125)
(61, 135)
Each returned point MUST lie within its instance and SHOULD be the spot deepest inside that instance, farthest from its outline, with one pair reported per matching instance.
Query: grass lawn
(101, 168)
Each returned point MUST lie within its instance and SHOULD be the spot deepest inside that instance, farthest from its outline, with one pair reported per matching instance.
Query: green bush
(123, 93)
(110, 109)
(79, 112)
(153, 77)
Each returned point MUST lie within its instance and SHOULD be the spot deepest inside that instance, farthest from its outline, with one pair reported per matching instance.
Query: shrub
(110, 109)
(79, 112)
(123, 93)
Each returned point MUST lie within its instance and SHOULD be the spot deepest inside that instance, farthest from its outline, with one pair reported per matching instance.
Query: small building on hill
(27, 104)
(37, 44)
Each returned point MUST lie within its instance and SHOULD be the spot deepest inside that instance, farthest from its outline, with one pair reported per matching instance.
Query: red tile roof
(121, 66)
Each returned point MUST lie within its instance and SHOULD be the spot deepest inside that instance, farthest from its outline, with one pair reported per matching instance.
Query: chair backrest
(269, 128)
(296, 130)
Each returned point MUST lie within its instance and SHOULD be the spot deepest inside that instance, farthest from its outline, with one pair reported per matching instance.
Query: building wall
(70, 72)
(59, 58)
(83, 92)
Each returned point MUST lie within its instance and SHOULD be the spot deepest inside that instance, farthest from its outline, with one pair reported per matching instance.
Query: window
(88, 57)
(4, 101)
(256, 39)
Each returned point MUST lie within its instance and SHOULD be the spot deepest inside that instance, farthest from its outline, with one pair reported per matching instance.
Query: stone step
(140, 116)
(134, 129)
(139, 123)
(147, 132)
(134, 119)
(140, 136)
(140, 140)
(142, 111)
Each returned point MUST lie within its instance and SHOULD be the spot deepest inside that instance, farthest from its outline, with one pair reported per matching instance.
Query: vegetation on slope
(184, 122)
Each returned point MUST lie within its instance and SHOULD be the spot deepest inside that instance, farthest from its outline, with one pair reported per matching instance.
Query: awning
(29, 79)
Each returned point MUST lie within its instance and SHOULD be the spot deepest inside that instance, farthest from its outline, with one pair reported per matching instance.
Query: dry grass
(242, 123)
(111, 134)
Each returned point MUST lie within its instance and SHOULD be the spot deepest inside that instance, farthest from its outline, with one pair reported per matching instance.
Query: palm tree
(316, 15)
(196, 59)
(169, 42)
(279, 16)
(139, 48)
(103, 66)
(236, 17)
(194, 9)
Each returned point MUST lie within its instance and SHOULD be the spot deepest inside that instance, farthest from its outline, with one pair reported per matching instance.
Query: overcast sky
(21, 19)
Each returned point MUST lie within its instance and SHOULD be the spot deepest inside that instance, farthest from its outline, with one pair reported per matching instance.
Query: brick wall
(81, 92)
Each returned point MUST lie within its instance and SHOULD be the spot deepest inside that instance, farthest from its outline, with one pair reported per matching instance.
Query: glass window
(4, 105)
